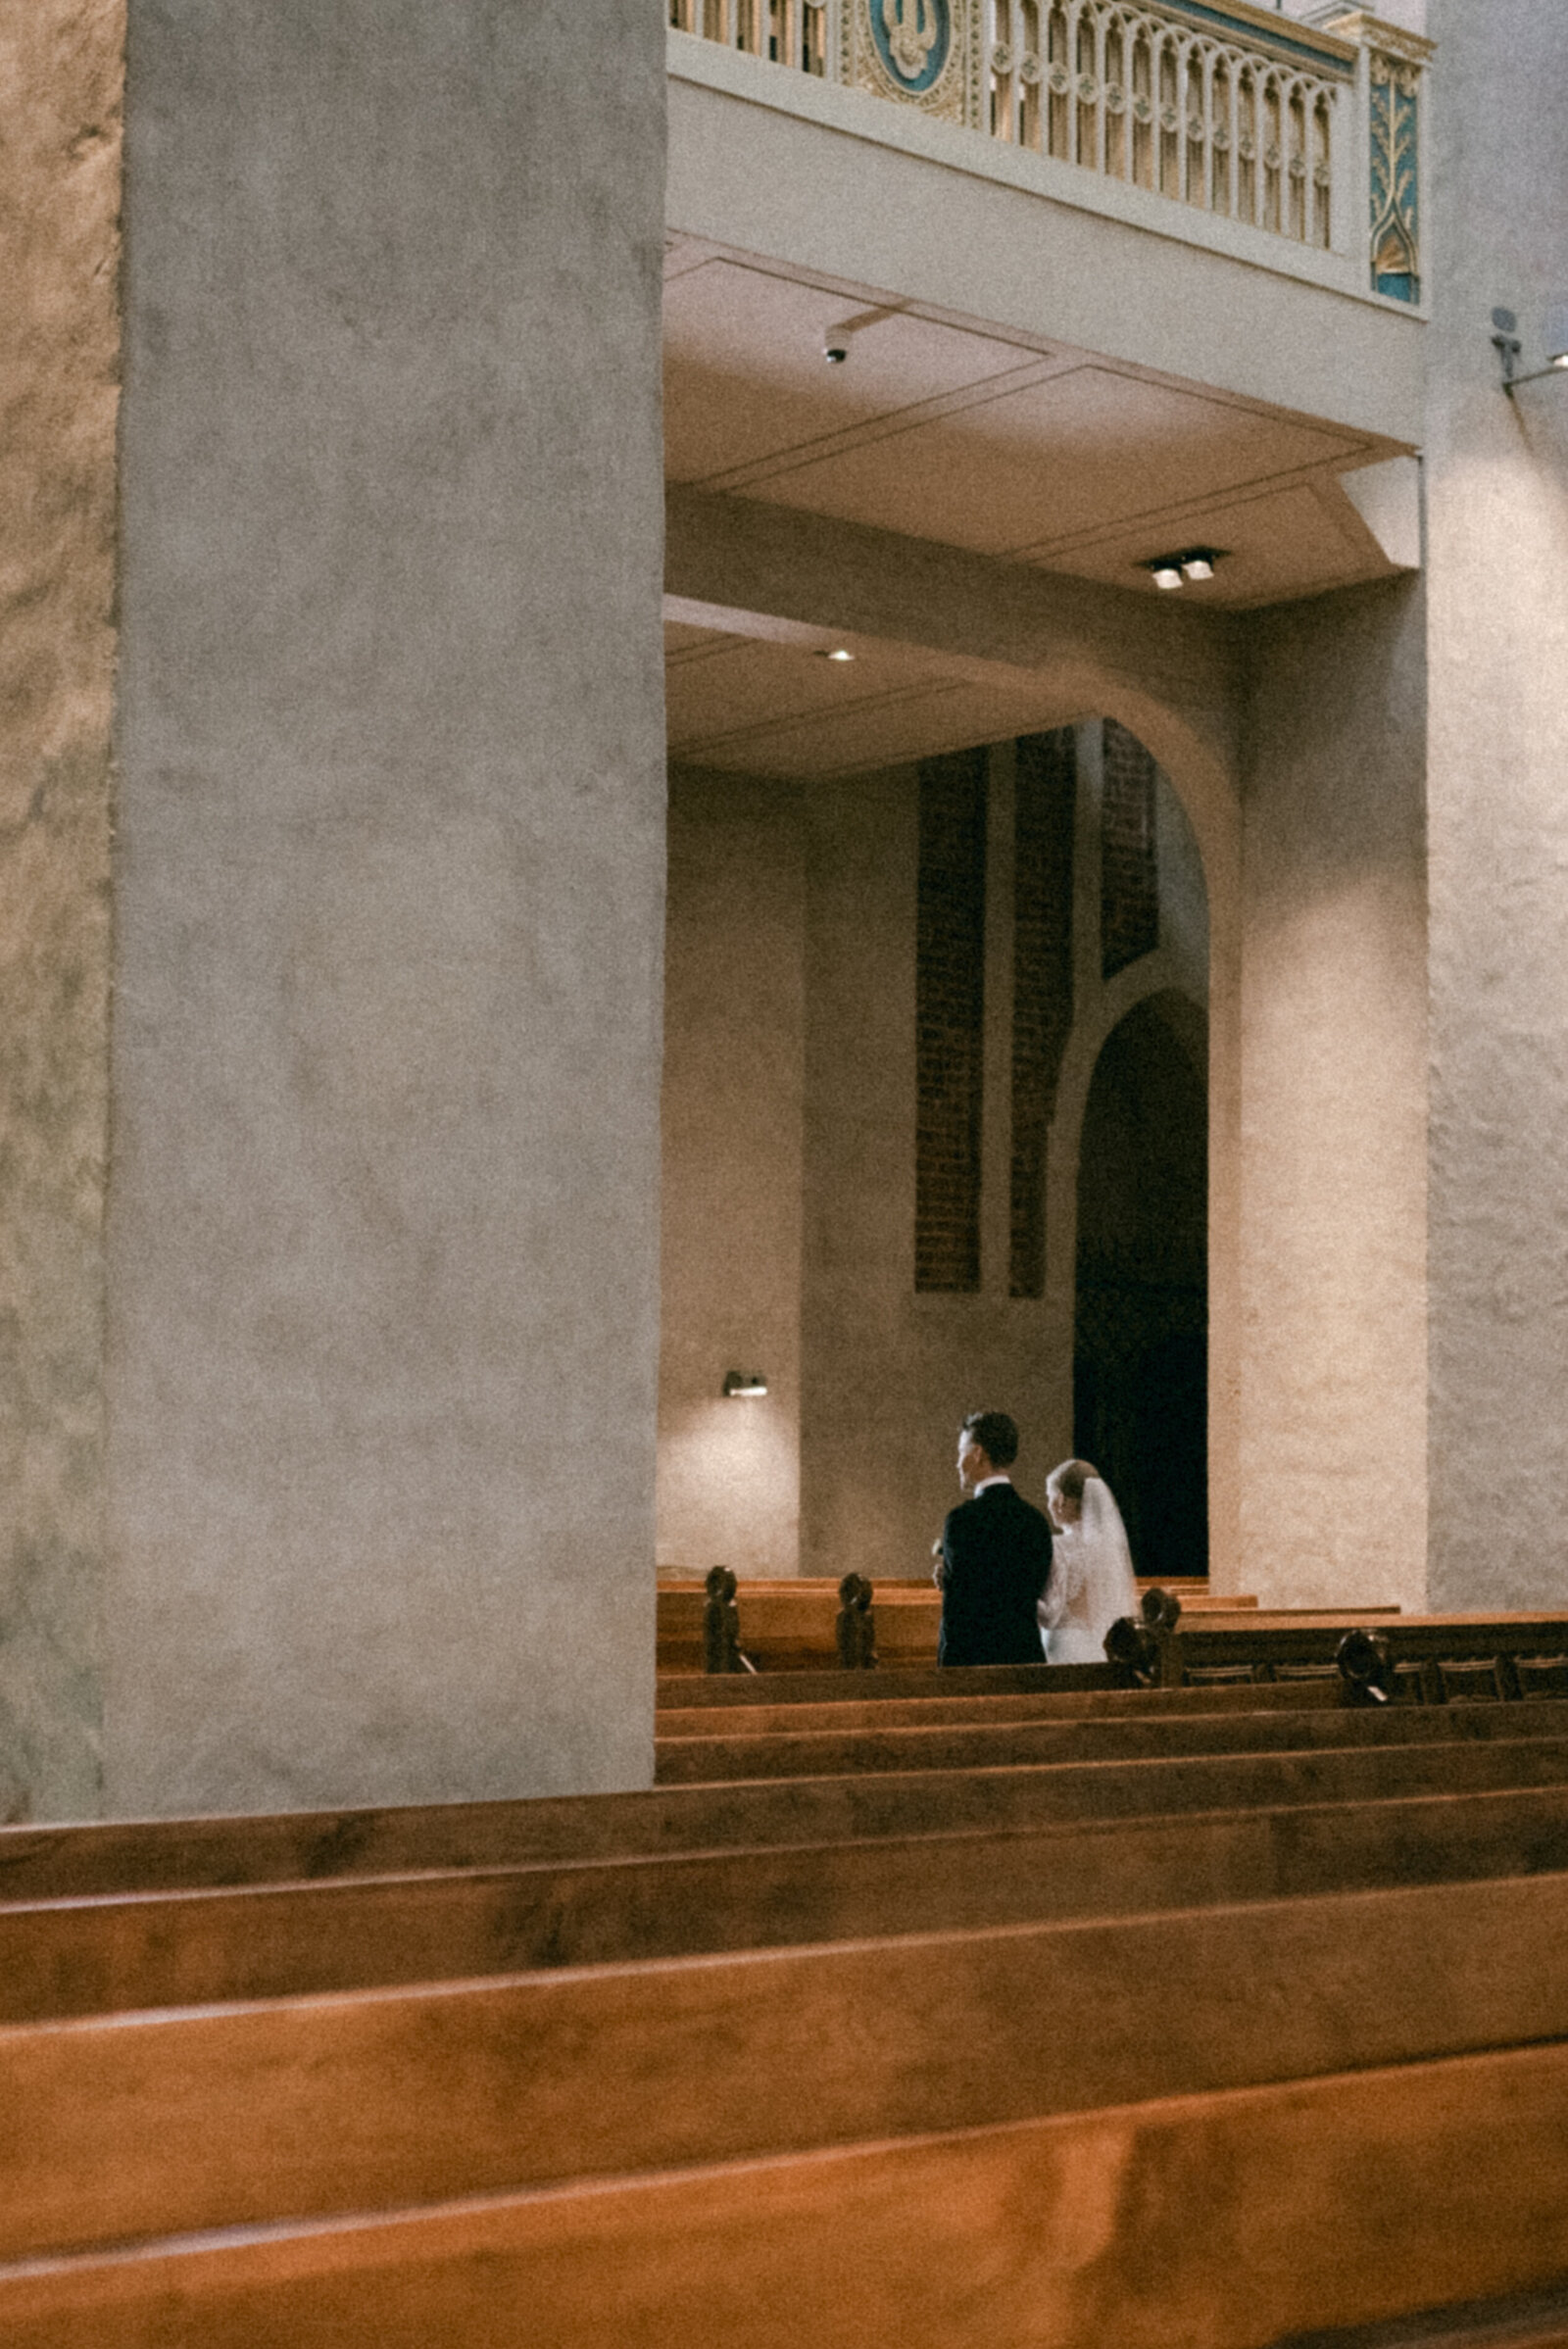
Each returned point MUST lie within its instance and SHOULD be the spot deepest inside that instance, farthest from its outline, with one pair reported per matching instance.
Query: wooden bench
(1411, 1659)
(1025, 2106)
(122, 1951)
(791, 1625)
(710, 1754)
(646, 2073)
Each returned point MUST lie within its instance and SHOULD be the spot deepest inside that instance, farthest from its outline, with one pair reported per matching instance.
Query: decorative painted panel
(1396, 188)
(923, 53)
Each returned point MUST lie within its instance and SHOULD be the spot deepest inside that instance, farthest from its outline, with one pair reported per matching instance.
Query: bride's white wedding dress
(1091, 1582)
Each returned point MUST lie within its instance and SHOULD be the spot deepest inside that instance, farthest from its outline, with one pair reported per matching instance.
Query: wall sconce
(744, 1382)
(1506, 342)
(1184, 569)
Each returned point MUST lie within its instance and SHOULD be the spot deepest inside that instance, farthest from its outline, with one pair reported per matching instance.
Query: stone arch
(1139, 1371)
(1193, 752)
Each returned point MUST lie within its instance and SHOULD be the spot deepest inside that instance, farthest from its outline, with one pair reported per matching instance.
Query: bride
(1091, 1580)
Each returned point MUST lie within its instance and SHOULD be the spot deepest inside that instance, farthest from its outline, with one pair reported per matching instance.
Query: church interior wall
(1333, 1099)
(790, 1115)
(732, 1200)
(889, 1372)
(61, 68)
(1497, 533)
(389, 879)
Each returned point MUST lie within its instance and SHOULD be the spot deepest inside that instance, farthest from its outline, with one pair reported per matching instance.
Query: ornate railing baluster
(1190, 103)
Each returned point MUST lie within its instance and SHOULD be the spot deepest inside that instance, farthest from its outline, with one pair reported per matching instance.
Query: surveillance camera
(835, 353)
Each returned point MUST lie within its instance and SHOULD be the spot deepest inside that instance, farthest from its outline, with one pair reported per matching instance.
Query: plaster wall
(1332, 1161)
(1177, 678)
(60, 121)
(383, 1257)
(734, 1070)
(888, 1374)
(1498, 531)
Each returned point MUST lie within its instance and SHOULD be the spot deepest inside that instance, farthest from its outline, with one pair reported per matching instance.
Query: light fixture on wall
(1184, 568)
(744, 1382)
(1507, 345)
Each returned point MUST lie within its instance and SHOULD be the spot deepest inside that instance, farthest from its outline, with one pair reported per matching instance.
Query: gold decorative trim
(954, 97)
(1374, 33)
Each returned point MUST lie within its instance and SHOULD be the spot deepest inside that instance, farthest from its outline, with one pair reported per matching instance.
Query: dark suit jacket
(997, 1552)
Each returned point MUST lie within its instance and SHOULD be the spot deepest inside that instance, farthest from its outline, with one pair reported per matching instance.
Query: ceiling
(774, 704)
(944, 429)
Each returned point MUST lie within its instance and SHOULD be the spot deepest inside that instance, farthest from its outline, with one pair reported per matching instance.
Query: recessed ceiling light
(1187, 565)
(838, 653)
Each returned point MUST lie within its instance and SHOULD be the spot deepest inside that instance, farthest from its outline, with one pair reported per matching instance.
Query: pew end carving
(856, 1625)
(1366, 1668)
(721, 1625)
(1133, 1651)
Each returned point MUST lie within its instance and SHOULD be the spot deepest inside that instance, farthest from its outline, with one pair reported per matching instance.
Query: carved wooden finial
(721, 1623)
(1365, 1667)
(856, 1624)
(1134, 1650)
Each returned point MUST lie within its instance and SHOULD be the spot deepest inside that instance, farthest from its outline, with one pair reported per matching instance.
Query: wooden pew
(1010, 1744)
(790, 1624)
(1380, 2050)
(1421, 1659)
(198, 1854)
(749, 2022)
(138, 2126)
(116, 1953)
(1349, 2199)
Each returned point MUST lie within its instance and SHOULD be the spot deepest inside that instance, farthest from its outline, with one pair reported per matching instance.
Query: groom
(996, 1554)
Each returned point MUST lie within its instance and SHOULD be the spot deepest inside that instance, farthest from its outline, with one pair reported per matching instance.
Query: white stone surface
(389, 877)
(1498, 521)
(1331, 1157)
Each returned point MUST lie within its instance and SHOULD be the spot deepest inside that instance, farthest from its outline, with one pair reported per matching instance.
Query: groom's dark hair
(997, 1435)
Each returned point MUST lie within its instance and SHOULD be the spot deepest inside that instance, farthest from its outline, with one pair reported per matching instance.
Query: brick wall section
(949, 1011)
(1129, 869)
(1041, 981)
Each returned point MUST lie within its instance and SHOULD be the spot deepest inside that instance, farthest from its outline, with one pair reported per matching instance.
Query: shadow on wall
(1140, 1359)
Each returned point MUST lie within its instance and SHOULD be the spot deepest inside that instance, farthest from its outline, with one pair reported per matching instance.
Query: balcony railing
(1234, 109)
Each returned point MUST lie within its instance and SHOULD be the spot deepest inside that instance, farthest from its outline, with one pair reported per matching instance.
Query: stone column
(1497, 509)
(61, 66)
(1331, 1164)
(388, 881)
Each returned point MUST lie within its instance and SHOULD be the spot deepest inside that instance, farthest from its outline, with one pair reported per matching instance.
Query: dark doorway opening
(1141, 1352)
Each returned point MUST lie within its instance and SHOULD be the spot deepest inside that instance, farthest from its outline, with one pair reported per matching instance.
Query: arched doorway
(1140, 1356)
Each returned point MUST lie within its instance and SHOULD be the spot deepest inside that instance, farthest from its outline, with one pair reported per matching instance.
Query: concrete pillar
(1498, 473)
(59, 84)
(381, 1263)
(1332, 1388)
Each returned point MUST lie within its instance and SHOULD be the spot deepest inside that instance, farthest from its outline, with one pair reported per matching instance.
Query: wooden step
(1208, 2222)
(116, 1954)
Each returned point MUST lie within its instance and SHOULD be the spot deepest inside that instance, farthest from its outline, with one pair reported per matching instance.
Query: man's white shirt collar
(990, 1480)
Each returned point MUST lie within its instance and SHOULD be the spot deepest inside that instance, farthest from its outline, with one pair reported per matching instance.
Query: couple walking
(1011, 1577)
